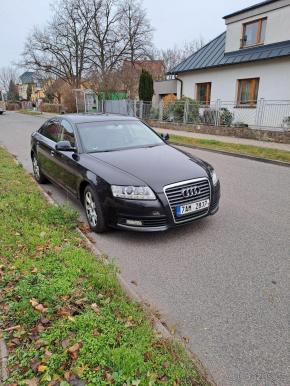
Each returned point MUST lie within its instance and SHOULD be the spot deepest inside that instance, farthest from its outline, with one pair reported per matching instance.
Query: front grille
(176, 198)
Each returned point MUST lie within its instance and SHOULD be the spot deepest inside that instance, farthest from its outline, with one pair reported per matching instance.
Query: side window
(51, 131)
(67, 132)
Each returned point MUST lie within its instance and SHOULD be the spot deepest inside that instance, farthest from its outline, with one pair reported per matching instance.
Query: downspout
(181, 85)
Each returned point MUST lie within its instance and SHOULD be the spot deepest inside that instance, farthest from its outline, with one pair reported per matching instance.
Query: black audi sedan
(125, 174)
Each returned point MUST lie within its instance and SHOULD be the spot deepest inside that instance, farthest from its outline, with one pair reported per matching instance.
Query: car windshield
(116, 135)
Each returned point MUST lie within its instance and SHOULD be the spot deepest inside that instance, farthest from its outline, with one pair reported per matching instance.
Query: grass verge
(254, 151)
(29, 112)
(63, 315)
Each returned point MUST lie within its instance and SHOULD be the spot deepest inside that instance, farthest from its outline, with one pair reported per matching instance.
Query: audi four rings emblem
(190, 192)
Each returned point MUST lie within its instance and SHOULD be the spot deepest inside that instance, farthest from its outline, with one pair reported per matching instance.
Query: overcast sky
(175, 21)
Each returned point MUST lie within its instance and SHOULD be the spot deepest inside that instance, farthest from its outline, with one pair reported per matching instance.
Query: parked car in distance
(124, 173)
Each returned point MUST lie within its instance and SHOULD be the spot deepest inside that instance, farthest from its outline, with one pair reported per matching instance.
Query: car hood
(156, 166)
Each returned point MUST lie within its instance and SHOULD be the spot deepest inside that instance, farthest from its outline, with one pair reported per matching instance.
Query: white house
(246, 66)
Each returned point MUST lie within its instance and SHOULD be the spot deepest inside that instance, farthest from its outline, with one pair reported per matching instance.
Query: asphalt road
(223, 281)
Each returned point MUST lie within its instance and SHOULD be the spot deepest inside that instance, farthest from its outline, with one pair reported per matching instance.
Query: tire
(1, 112)
(94, 211)
(37, 173)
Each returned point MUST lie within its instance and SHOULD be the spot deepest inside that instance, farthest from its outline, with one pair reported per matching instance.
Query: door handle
(52, 153)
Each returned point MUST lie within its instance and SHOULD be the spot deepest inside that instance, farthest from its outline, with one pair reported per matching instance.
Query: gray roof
(258, 5)
(27, 77)
(213, 55)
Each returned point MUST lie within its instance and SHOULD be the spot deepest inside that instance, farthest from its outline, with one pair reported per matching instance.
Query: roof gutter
(181, 85)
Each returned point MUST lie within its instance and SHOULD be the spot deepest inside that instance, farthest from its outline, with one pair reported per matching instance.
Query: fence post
(141, 110)
(161, 111)
(259, 112)
(185, 111)
(217, 112)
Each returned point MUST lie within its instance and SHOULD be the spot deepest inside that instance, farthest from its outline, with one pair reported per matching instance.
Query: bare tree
(7, 74)
(175, 55)
(60, 48)
(88, 37)
(137, 30)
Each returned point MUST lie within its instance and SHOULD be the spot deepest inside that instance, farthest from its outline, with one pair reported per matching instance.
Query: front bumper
(151, 216)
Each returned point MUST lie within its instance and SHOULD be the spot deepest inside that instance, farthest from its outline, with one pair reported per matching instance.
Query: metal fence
(264, 114)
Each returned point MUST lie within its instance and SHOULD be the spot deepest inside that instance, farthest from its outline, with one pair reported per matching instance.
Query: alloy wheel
(36, 170)
(90, 206)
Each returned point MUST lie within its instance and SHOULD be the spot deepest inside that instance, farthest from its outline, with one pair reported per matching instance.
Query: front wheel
(94, 211)
(37, 173)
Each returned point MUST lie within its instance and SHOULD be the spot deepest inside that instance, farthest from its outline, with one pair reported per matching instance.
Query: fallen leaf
(41, 368)
(57, 249)
(65, 343)
(186, 339)
(67, 375)
(31, 382)
(108, 377)
(74, 350)
(64, 311)
(95, 308)
(33, 302)
(12, 328)
(40, 308)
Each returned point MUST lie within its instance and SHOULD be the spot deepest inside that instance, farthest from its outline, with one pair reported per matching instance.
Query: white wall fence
(265, 114)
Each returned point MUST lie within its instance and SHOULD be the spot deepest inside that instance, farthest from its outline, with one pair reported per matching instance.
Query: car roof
(86, 118)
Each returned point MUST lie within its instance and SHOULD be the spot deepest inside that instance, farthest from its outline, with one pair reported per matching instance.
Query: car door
(69, 170)
(45, 147)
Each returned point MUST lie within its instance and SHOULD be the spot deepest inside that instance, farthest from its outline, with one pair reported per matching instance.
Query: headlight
(133, 192)
(214, 177)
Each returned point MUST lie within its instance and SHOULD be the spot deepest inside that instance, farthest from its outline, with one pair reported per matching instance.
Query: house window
(203, 91)
(248, 91)
(253, 33)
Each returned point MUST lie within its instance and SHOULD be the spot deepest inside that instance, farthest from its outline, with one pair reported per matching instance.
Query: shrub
(51, 108)
(154, 113)
(169, 98)
(222, 117)
(209, 116)
(226, 117)
(146, 89)
(12, 106)
(175, 110)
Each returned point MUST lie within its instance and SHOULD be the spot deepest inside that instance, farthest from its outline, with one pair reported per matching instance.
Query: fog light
(134, 222)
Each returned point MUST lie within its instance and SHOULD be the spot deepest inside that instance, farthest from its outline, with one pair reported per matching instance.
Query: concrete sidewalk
(221, 138)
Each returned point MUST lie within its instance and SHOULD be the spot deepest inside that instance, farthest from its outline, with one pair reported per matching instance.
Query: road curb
(228, 153)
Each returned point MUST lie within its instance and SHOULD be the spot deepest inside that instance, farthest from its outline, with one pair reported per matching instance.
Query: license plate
(190, 208)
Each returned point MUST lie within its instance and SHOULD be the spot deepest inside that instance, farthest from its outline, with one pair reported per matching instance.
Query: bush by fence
(51, 108)
(12, 106)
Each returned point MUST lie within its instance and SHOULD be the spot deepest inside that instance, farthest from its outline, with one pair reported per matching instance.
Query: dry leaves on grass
(95, 308)
(37, 306)
(74, 351)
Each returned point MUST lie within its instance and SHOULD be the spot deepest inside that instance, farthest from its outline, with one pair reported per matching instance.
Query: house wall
(163, 87)
(277, 29)
(274, 79)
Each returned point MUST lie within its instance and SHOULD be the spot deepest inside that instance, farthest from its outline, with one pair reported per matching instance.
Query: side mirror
(64, 146)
